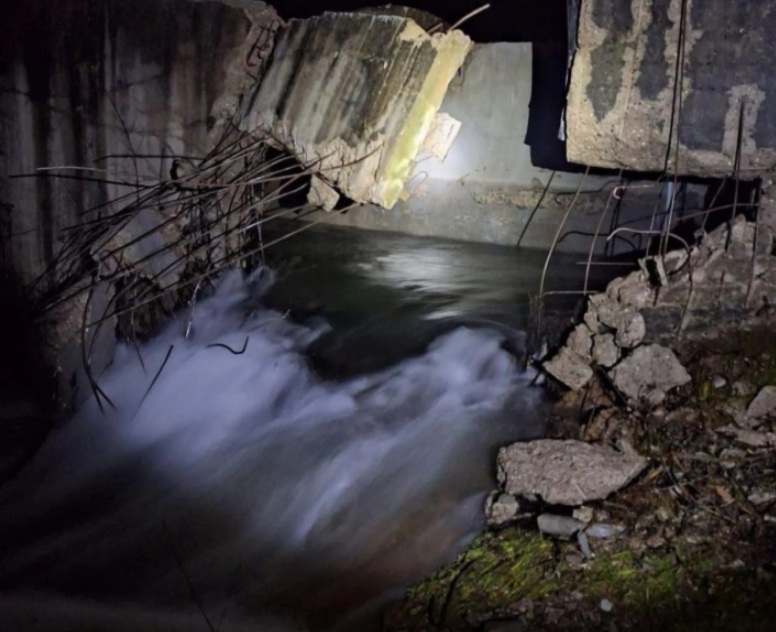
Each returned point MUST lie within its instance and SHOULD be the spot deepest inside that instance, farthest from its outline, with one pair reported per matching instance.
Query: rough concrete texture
(486, 189)
(322, 195)
(763, 406)
(648, 373)
(605, 351)
(85, 84)
(624, 106)
(501, 509)
(570, 368)
(727, 278)
(355, 94)
(565, 472)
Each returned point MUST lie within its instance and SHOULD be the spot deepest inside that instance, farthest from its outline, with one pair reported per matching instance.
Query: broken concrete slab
(623, 110)
(580, 341)
(648, 374)
(565, 472)
(569, 368)
(354, 95)
(605, 352)
(322, 195)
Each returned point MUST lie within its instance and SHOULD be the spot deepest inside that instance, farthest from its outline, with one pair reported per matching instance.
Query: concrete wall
(487, 187)
(637, 91)
(85, 79)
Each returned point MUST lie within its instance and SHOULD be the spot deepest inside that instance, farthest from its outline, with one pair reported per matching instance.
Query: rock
(605, 351)
(575, 560)
(719, 382)
(749, 438)
(570, 369)
(558, 526)
(583, 514)
(565, 472)
(591, 320)
(500, 509)
(742, 388)
(648, 374)
(605, 309)
(631, 291)
(603, 531)
(584, 545)
(322, 195)
(631, 328)
(761, 496)
(763, 405)
(581, 342)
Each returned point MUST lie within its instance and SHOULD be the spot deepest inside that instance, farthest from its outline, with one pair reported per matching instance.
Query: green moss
(497, 570)
(500, 570)
(634, 583)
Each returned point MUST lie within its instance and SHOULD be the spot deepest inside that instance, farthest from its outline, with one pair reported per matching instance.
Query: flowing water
(299, 483)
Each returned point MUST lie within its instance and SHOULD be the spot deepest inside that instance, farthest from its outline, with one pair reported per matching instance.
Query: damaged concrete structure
(488, 189)
(659, 81)
(355, 95)
(96, 101)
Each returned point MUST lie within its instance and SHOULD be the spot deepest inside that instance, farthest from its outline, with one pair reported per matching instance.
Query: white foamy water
(248, 481)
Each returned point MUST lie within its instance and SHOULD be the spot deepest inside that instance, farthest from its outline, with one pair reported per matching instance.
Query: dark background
(505, 21)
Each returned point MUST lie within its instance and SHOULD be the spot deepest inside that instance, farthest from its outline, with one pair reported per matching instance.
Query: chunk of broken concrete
(558, 526)
(605, 351)
(570, 369)
(648, 373)
(632, 290)
(631, 328)
(581, 342)
(322, 195)
(763, 406)
(501, 509)
(565, 472)
(605, 309)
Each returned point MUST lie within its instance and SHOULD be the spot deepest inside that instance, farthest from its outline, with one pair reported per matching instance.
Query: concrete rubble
(565, 472)
(626, 344)
(648, 373)
(762, 407)
(322, 195)
(727, 277)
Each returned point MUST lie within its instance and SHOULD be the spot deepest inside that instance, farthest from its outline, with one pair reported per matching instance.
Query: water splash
(245, 476)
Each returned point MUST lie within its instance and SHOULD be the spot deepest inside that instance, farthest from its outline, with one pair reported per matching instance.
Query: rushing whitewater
(239, 486)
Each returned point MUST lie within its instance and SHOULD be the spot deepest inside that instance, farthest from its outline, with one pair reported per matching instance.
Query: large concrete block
(626, 107)
(355, 94)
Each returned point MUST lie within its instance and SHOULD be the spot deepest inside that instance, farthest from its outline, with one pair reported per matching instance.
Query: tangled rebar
(156, 246)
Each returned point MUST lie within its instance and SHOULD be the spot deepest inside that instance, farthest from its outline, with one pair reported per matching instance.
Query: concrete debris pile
(560, 473)
(728, 277)
(622, 365)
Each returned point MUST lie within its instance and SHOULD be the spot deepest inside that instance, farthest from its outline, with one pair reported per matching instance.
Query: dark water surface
(387, 295)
